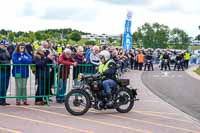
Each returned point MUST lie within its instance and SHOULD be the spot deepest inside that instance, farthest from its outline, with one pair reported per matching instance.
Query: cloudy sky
(98, 16)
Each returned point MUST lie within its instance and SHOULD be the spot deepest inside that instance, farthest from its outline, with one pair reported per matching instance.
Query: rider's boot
(109, 100)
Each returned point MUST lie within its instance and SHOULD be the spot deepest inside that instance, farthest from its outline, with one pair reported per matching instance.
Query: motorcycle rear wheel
(124, 94)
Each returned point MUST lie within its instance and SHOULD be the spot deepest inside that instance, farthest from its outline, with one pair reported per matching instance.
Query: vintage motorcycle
(90, 94)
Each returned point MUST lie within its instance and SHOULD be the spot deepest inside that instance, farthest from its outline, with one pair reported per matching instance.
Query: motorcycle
(90, 94)
(165, 64)
(148, 65)
(178, 65)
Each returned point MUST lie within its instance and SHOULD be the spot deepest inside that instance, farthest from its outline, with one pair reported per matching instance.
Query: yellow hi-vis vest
(103, 67)
(35, 46)
(187, 56)
(59, 50)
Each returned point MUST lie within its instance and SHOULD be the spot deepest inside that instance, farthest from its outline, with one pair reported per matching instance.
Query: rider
(108, 70)
(165, 57)
(148, 57)
(180, 58)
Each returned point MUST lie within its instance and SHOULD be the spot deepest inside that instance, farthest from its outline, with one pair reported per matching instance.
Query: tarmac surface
(150, 115)
(177, 88)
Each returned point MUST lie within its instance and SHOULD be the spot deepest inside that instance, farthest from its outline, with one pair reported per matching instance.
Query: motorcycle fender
(134, 92)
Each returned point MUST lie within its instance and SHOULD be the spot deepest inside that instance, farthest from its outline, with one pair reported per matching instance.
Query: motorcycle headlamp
(80, 77)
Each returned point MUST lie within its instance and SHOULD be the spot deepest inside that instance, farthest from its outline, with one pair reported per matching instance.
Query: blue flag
(127, 37)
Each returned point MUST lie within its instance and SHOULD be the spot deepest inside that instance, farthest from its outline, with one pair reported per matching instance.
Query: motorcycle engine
(95, 86)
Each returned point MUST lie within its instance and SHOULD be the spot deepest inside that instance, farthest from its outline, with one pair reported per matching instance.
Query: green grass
(197, 71)
(194, 47)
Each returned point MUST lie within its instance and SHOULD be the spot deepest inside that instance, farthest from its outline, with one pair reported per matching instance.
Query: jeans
(108, 85)
(61, 90)
(4, 82)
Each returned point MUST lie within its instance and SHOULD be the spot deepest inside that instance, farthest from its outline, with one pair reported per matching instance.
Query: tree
(137, 38)
(75, 36)
(197, 37)
(179, 38)
(153, 36)
(11, 36)
(32, 37)
(2, 37)
(110, 40)
(90, 43)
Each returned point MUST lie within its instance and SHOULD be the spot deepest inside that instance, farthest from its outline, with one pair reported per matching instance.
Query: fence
(22, 81)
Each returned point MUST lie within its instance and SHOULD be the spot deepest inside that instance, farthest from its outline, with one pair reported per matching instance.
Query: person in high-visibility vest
(140, 59)
(108, 70)
(36, 45)
(186, 59)
(59, 50)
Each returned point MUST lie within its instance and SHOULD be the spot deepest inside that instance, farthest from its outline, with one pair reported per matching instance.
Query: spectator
(47, 45)
(42, 59)
(187, 59)
(4, 71)
(66, 59)
(94, 58)
(21, 72)
(140, 60)
(79, 57)
(132, 58)
(29, 49)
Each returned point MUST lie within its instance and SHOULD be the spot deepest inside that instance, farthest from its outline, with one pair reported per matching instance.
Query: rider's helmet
(104, 54)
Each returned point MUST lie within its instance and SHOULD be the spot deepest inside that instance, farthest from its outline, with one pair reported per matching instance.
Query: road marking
(153, 101)
(150, 113)
(46, 123)
(119, 126)
(9, 130)
(143, 111)
(165, 117)
(156, 76)
(180, 76)
(166, 74)
(155, 112)
(89, 120)
(156, 124)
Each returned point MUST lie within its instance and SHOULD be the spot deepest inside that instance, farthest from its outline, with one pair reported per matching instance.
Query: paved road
(150, 115)
(177, 88)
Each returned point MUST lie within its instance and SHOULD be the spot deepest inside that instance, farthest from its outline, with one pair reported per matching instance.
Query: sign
(127, 37)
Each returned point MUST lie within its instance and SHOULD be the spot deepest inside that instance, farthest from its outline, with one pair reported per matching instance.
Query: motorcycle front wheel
(125, 101)
(77, 102)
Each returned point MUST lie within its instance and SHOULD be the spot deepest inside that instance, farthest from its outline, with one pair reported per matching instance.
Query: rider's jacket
(166, 56)
(149, 57)
(179, 58)
(108, 70)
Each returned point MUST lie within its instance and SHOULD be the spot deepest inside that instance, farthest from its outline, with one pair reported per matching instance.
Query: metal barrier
(22, 81)
(69, 75)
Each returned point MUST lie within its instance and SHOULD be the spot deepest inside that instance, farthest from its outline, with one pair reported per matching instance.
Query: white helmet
(104, 54)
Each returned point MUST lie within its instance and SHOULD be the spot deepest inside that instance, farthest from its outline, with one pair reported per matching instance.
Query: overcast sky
(98, 16)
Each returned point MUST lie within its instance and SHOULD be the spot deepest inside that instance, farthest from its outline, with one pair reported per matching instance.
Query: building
(103, 38)
(195, 43)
